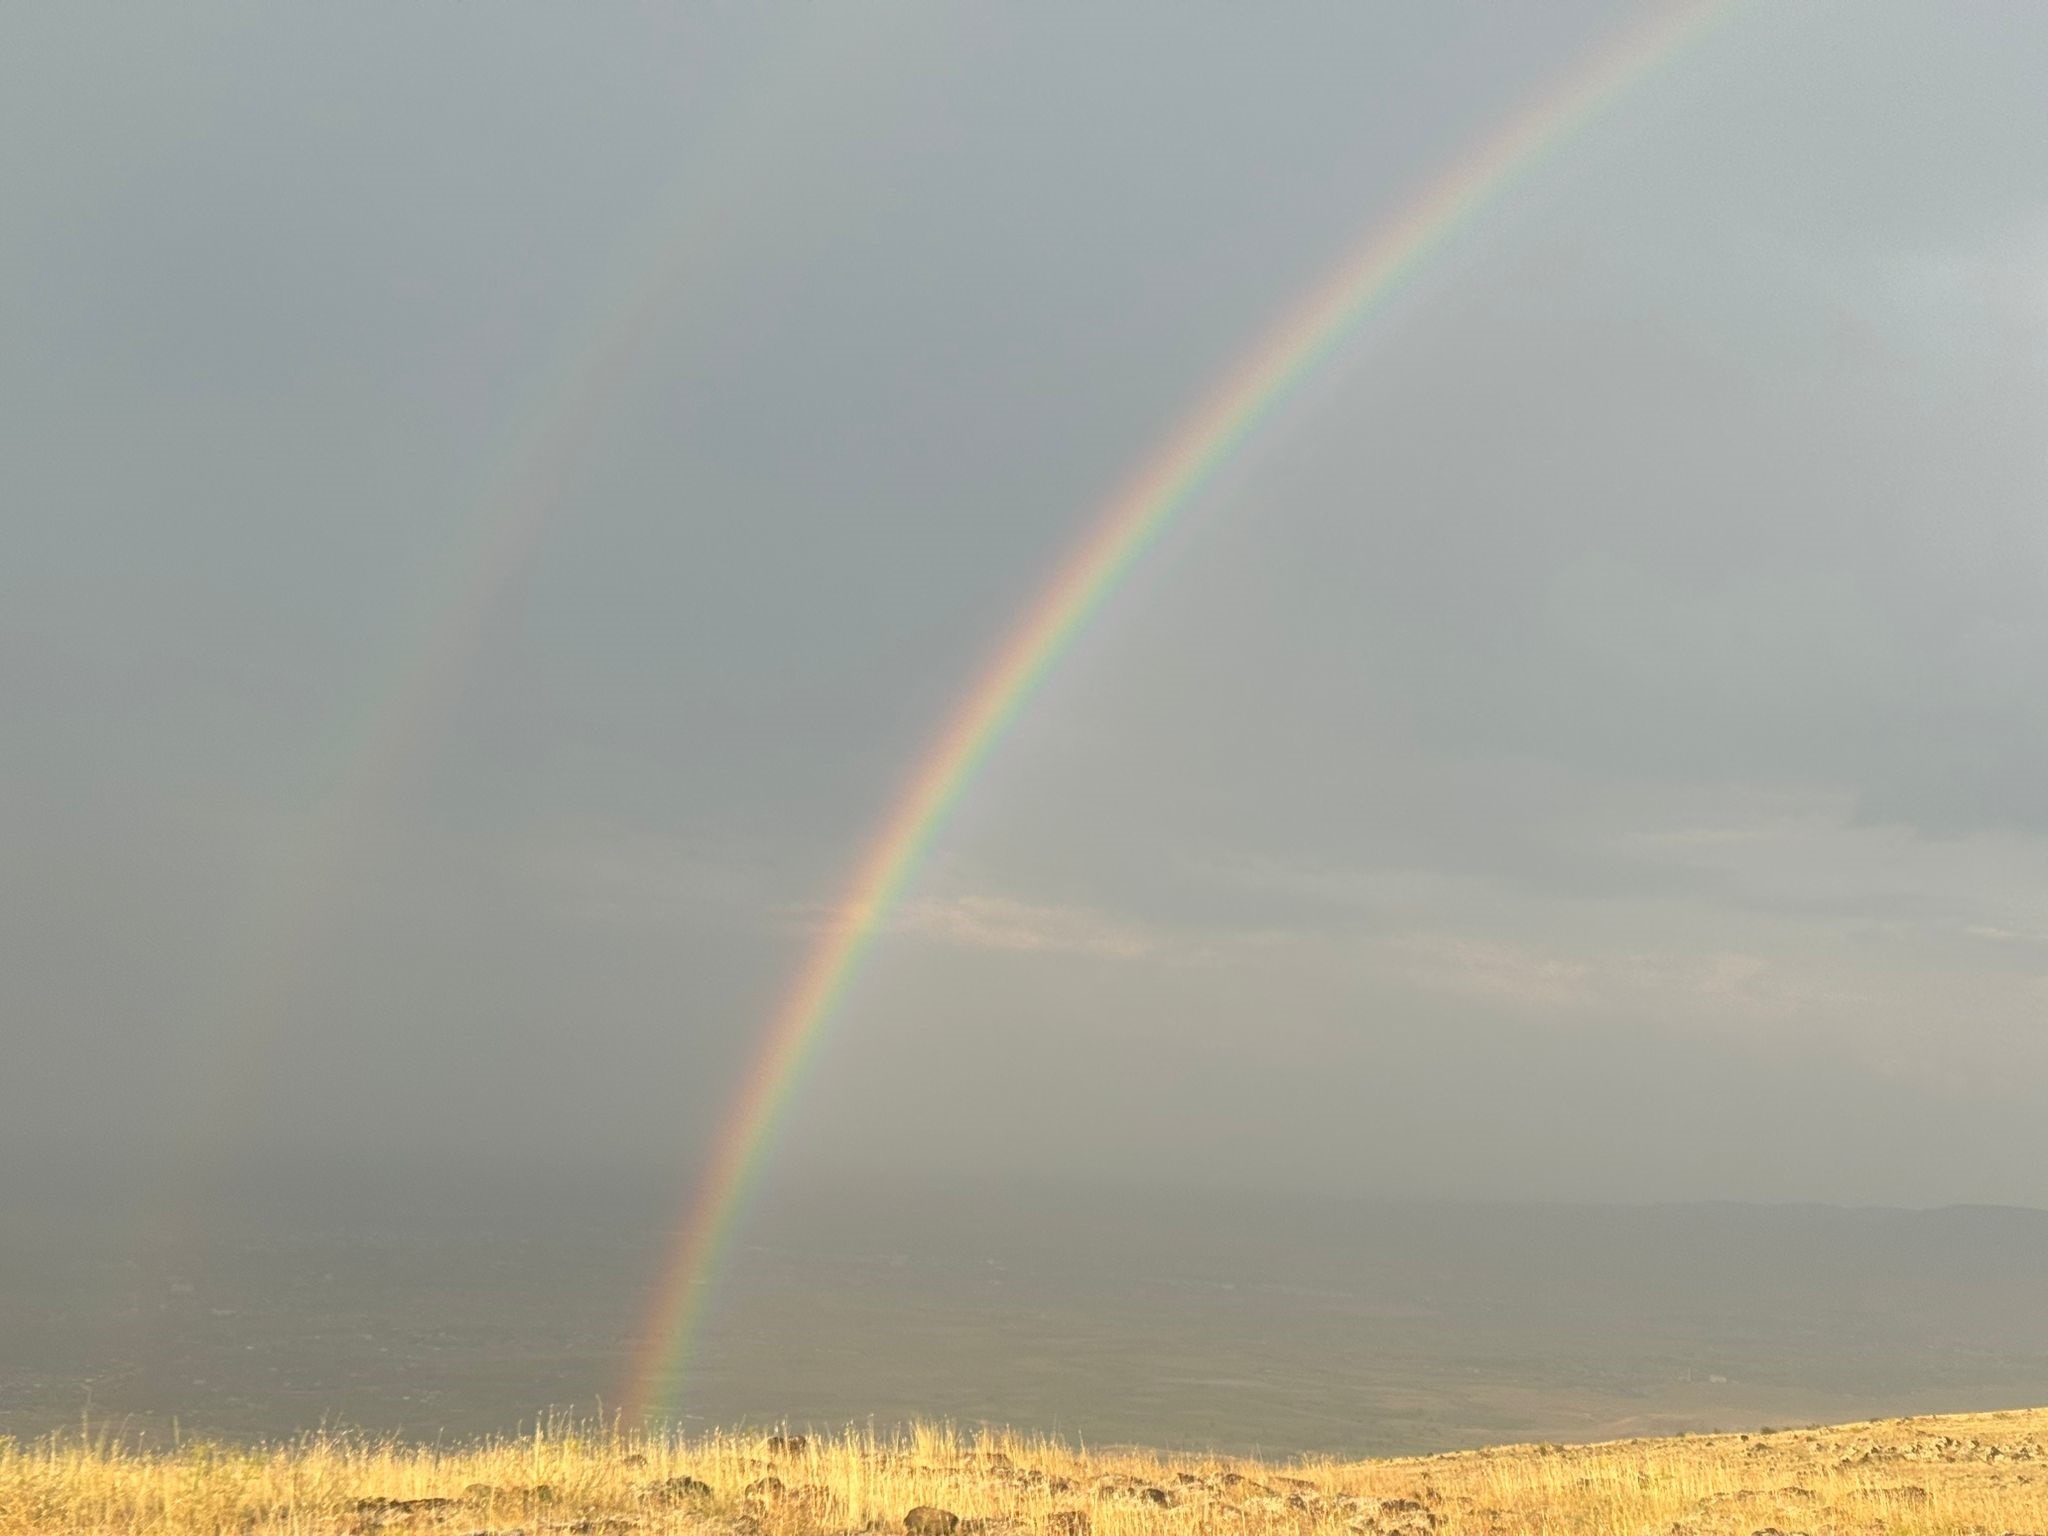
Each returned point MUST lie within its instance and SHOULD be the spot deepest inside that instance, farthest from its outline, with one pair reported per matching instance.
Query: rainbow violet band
(1129, 525)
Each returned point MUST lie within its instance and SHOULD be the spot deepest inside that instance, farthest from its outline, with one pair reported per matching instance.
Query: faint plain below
(1240, 1322)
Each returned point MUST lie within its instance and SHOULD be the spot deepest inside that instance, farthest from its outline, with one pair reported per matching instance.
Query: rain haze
(500, 502)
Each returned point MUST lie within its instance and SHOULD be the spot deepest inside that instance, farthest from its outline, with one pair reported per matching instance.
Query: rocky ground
(1985, 1474)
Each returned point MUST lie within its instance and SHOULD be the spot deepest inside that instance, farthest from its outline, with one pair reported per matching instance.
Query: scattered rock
(1420, 1520)
(681, 1490)
(389, 1508)
(1131, 1490)
(930, 1520)
(815, 1499)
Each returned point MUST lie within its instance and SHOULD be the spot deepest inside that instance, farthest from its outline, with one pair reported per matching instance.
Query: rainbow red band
(1119, 537)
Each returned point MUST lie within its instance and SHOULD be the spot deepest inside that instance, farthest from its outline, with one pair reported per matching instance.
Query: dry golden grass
(1977, 1473)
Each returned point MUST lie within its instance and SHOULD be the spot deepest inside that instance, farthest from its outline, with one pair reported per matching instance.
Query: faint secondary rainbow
(1128, 525)
(385, 745)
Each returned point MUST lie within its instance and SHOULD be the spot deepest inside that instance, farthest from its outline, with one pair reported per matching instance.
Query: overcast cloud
(1591, 746)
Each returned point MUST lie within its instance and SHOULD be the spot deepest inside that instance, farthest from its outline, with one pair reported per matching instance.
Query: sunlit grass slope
(1976, 1473)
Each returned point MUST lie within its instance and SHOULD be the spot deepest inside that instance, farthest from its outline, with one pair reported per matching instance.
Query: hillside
(1974, 1473)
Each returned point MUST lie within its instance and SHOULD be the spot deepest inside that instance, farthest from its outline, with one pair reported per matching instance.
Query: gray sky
(1589, 747)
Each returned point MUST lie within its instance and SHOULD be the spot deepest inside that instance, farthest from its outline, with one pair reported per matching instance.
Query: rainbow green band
(1119, 537)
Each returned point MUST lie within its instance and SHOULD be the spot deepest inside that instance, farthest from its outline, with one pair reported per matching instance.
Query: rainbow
(1129, 525)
